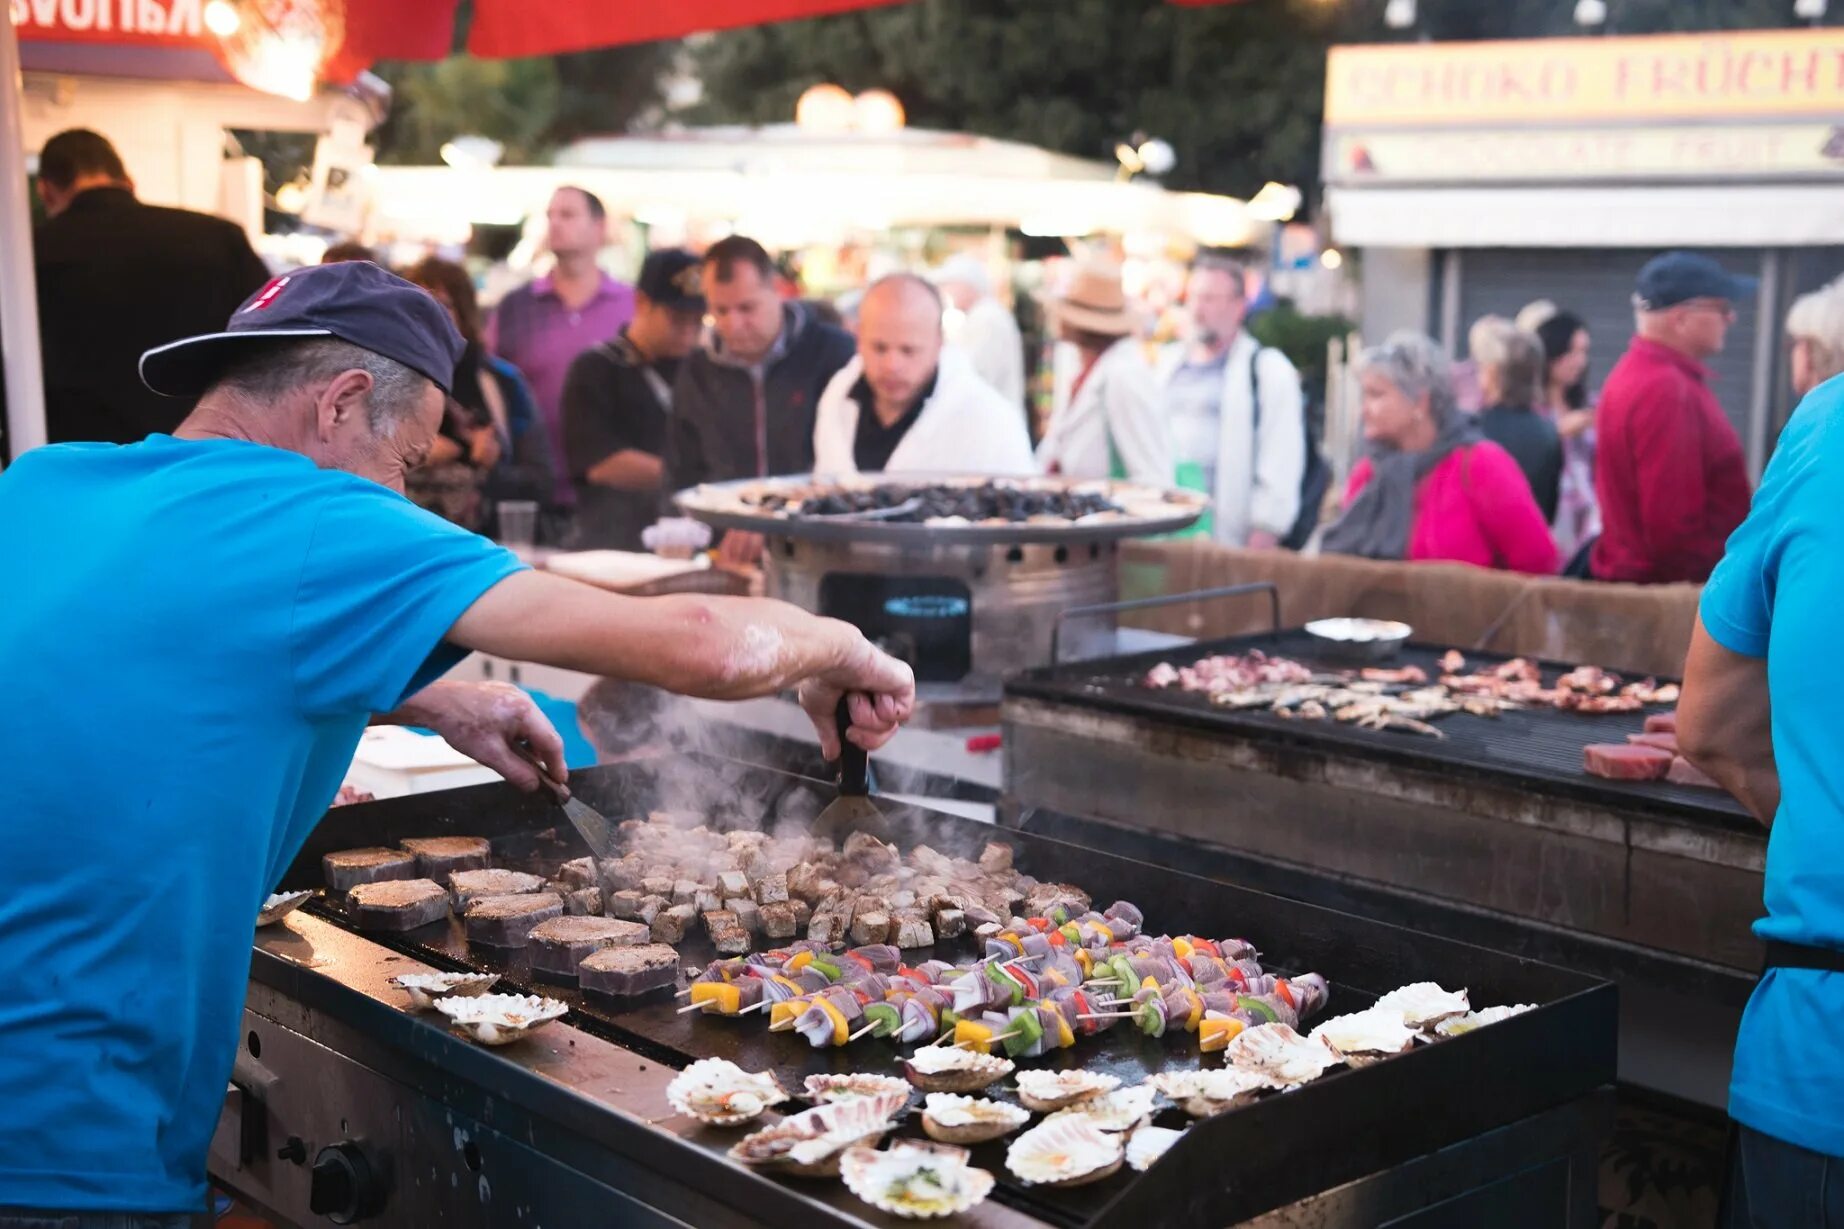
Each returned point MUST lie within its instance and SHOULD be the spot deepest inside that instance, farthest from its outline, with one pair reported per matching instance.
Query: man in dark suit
(117, 278)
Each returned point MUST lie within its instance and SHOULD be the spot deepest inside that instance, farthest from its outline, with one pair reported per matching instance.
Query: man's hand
(882, 694)
(740, 549)
(487, 721)
(1261, 539)
(483, 447)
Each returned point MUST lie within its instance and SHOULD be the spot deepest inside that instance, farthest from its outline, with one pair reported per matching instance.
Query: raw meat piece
(507, 921)
(348, 868)
(469, 886)
(397, 904)
(1662, 723)
(622, 972)
(559, 945)
(1662, 739)
(1683, 772)
(1626, 762)
(438, 857)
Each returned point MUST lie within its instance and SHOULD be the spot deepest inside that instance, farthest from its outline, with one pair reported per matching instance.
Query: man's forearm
(628, 470)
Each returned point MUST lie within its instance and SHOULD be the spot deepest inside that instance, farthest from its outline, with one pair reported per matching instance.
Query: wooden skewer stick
(991, 1042)
(783, 1027)
(691, 1007)
(1106, 1015)
(758, 1006)
(861, 1032)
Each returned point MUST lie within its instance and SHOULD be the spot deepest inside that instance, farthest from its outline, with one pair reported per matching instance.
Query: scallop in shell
(1279, 1053)
(951, 1069)
(1211, 1091)
(1066, 1152)
(280, 905)
(496, 1019)
(915, 1180)
(720, 1093)
(1424, 1004)
(425, 988)
(1364, 1037)
(969, 1120)
(1120, 1110)
(808, 1144)
(1475, 1019)
(1047, 1091)
(1147, 1144)
(823, 1088)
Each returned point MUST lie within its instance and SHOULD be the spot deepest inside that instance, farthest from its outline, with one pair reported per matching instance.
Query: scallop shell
(1475, 1019)
(951, 1069)
(1211, 1091)
(280, 905)
(1147, 1144)
(1424, 1004)
(720, 1093)
(1363, 1037)
(823, 1088)
(914, 1180)
(496, 1019)
(808, 1144)
(1120, 1110)
(1279, 1053)
(1045, 1091)
(1066, 1152)
(969, 1120)
(425, 988)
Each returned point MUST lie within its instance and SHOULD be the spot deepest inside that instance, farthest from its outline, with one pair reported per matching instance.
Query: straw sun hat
(1094, 301)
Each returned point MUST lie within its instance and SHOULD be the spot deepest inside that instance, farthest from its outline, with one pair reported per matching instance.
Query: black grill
(1225, 1169)
(1536, 747)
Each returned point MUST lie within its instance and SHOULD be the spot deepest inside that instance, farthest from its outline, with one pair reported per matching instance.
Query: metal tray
(1537, 747)
(1225, 1169)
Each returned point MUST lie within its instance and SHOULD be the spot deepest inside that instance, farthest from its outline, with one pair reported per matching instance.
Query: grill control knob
(343, 1186)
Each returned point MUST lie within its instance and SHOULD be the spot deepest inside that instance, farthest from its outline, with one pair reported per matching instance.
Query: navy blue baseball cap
(673, 277)
(1671, 278)
(354, 300)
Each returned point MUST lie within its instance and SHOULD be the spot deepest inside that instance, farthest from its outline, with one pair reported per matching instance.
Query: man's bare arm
(628, 470)
(711, 647)
(1724, 726)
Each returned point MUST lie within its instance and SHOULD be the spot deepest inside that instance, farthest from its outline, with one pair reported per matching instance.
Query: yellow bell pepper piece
(797, 962)
(1216, 1032)
(839, 1029)
(972, 1035)
(718, 998)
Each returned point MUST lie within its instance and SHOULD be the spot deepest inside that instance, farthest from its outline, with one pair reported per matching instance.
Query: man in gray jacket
(1234, 408)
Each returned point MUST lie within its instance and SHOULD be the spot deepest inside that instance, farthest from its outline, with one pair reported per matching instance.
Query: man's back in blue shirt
(196, 635)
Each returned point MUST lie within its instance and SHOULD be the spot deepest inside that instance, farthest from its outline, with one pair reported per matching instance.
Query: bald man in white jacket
(907, 404)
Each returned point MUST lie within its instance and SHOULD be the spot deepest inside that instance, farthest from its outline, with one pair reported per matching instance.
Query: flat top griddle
(1226, 1168)
(1539, 748)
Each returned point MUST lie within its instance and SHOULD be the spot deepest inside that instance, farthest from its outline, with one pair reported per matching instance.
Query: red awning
(504, 28)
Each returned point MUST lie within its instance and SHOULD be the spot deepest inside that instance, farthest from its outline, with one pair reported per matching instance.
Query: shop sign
(163, 23)
(1465, 155)
(1715, 76)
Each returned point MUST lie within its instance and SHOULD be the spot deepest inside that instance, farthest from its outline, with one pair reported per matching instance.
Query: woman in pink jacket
(1432, 487)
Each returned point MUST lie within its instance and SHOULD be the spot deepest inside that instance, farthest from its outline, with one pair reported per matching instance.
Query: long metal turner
(590, 824)
(853, 810)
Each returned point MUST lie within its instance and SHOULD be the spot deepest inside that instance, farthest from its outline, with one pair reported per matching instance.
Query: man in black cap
(116, 277)
(205, 622)
(617, 399)
(1668, 468)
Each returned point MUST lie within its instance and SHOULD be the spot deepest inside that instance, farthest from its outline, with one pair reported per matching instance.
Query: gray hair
(1210, 262)
(1513, 356)
(273, 370)
(1818, 320)
(1417, 366)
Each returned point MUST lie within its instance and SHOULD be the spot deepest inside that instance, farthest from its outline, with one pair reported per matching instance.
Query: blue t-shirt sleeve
(381, 583)
(1737, 603)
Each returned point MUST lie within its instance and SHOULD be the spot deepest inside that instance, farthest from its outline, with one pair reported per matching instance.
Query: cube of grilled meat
(871, 926)
(583, 902)
(731, 941)
(651, 907)
(777, 920)
(986, 930)
(715, 920)
(825, 926)
(733, 883)
(771, 889)
(913, 930)
(950, 923)
(803, 913)
(625, 905)
(870, 853)
(1046, 896)
(578, 873)
(996, 858)
(657, 885)
(685, 891)
(708, 899)
(748, 914)
(669, 925)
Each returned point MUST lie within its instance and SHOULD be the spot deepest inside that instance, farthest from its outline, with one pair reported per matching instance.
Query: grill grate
(1539, 747)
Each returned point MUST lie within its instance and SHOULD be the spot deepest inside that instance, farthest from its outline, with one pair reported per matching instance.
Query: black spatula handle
(854, 761)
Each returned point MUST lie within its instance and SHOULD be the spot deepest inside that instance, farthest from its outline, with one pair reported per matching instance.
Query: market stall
(352, 1104)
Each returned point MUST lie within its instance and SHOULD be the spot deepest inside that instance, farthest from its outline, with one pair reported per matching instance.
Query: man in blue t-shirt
(196, 630)
(1759, 714)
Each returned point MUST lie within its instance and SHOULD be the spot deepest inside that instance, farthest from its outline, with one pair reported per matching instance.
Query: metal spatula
(590, 824)
(853, 810)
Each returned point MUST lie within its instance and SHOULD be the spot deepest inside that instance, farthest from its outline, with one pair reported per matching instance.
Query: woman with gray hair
(1815, 337)
(1432, 487)
(1511, 367)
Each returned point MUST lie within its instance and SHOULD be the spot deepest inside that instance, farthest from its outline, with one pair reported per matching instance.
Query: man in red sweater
(1668, 466)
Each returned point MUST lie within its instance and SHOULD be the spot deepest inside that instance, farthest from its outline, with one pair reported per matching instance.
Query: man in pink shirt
(1669, 469)
(542, 326)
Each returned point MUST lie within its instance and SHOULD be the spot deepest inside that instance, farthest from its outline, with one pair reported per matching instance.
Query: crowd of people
(595, 400)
